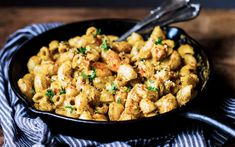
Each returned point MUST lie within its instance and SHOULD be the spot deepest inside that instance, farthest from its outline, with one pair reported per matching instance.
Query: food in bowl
(93, 77)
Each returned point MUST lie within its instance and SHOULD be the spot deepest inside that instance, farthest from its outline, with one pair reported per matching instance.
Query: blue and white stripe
(20, 129)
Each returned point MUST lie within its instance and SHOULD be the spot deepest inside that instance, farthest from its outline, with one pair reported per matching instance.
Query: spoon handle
(166, 7)
(187, 13)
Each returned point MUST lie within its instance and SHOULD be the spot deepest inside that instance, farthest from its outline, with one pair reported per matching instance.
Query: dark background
(224, 4)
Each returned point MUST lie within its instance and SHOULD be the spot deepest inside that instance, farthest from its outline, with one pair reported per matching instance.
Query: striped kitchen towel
(20, 129)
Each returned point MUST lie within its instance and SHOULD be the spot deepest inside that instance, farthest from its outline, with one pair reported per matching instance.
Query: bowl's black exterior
(104, 131)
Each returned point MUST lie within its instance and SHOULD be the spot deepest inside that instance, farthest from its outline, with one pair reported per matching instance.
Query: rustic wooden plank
(214, 29)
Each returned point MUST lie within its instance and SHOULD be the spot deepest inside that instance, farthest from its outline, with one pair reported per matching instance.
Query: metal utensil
(169, 6)
(189, 12)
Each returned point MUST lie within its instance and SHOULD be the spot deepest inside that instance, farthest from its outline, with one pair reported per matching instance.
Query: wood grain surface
(214, 29)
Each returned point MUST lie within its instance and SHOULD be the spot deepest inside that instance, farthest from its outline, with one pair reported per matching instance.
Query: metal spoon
(189, 12)
(167, 7)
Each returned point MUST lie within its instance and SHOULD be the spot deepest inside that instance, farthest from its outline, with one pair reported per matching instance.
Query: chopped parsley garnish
(62, 91)
(153, 88)
(69, 107)
(32, 91)
(105, 45)
(82, 50)
(159, 41)
(50, 94)
(113, 88)
(127, 89)
(98, 32)
(119, 100)
(90, 77)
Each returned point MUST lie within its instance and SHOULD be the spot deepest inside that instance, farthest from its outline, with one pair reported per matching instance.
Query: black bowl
(105, 130)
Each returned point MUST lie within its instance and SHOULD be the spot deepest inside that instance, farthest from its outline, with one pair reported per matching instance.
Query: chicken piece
(106, 97)
(145, 51)
(132, 107)
(115, 111)
(125, 116)
(135, 38)
(147, 106)
(120, 81)
(146, 68)
(163, 75)
(126, 72)
(184, 95)
(190, 79)
(166, 103)
(112, 59)
(187, 69)
(185, 49)
(175, 60)
(159, 52)
(101, 69)
(157, 33)
(169, 44)
(190, 60)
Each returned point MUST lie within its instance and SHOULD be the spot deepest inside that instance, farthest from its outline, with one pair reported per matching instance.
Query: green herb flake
(92, 76)
(113, 88)
(32, 91)
(159, 41)
(50, 94)
(151, 88)
(127, 89)
(62, 91)
(69, 107)
(105, 45)
(82, 50)
(98, 32)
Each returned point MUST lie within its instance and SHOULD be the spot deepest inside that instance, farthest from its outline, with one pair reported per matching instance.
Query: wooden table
(214, 29)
